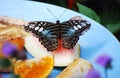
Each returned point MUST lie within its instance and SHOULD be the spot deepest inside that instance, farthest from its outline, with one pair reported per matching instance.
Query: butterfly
(50, 33)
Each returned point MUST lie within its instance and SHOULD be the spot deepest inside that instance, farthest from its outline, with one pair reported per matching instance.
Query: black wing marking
(71, 30)
(47, 33)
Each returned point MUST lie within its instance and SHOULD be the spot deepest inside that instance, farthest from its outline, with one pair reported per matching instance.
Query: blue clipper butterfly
(49, 33)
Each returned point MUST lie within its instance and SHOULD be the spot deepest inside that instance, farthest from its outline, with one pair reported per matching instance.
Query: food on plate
(48, 50)
(0, 49)
(12, 28)
(64, 57)
(34, 47)
(38, 50)
(34, 68)
(14, 33)
(77, 69)
(9, 21)
(59, 38)
(11, 31)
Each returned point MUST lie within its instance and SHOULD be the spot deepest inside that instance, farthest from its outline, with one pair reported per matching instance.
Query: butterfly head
(57, 22)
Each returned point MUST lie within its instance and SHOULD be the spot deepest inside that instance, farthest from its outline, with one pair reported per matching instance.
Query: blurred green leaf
(4, 62)
(88, 12)
(114, 28)
(14, 76)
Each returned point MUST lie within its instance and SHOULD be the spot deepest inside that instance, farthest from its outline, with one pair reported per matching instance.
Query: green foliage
(112, 25)
(4, 62)
(14, 76)
(114, 28)
(88, 12)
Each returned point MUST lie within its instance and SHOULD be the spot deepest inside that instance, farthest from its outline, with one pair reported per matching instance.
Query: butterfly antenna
(52, 14)
(62, 13)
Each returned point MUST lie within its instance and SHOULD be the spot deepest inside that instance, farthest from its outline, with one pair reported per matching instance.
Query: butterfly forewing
(71, 30)
(47, 33)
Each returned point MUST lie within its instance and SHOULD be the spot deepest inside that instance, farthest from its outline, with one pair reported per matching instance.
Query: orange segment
(0, 49)
(35, 68)
(1, 54)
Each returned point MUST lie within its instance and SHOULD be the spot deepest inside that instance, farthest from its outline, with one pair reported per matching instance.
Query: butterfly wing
(71, 30)
(47, 33)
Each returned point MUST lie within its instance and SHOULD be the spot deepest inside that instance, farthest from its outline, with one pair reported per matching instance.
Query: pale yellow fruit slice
(76, 69)
(34, 47)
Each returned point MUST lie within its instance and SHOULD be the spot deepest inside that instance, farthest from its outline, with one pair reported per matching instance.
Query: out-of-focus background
(108, 11)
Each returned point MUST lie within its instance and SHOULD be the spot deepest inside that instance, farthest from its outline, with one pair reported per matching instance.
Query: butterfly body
(49, 33)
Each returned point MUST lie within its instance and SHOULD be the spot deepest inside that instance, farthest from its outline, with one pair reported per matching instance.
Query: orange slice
(34, 68)
(0, 49)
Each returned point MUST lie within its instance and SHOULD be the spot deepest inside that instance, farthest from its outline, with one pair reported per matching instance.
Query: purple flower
(8, 48)
(104, 60)
(93, 74)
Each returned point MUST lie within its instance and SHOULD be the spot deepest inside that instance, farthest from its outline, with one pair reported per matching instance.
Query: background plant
(105, 12)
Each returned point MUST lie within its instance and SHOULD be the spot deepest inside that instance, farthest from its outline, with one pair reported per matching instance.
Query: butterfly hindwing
(46, 32)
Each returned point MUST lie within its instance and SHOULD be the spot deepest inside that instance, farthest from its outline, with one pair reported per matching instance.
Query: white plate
(98, 40)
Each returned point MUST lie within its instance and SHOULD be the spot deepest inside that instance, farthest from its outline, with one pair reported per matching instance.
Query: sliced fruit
(64, 57)
(35, 48)
(11, 21)
(12, 28)
(77, 69)
(34, 68)
(1, 55)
